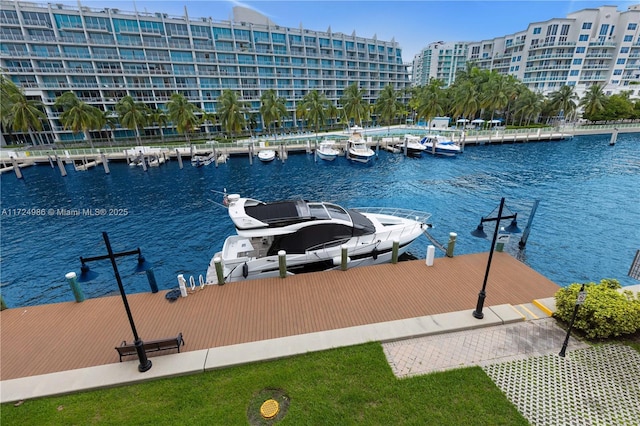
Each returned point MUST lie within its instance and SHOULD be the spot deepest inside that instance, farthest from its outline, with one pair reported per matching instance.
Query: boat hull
(359, 158)
(268, 267)
(266, 156)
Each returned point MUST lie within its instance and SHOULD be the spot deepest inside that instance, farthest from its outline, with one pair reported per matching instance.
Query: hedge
(605, 313)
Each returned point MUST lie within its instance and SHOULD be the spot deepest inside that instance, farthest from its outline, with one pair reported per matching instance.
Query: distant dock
(85, 158)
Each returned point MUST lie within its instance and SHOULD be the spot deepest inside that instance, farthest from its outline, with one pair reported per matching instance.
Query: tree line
(474, 93)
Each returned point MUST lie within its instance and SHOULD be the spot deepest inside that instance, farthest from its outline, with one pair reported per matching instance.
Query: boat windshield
(337, 212)
(317, 210)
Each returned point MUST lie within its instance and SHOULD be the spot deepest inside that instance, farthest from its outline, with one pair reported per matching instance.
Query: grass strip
(353, 385)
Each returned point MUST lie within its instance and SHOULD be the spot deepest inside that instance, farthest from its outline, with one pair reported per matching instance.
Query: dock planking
(64, 336)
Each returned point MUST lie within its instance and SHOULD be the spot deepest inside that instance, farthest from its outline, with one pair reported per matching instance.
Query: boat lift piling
(219, 274)
(16, 168)
(451, 245)
(614, 137)
(78, 294)
(105, 163)
(525, 234)
(344, 258)
(251, 154)
(282, 263)
(394, 251)
(63, 171)
(143, 161)
(51, 162)
(179, 158)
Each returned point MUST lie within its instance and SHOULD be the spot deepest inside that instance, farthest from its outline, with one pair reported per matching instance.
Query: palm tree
(427, 101)
(564, 100)
(159, 118)
(18, 112)
(354, 105)
(529, 105)
(315, 108)
(77, 115)
(110, 120)
(273, 108)
(231, 112)
(465, 100)
(182, 114)
(495, 93)
(593, 101)
(387, 106)
(133, 115)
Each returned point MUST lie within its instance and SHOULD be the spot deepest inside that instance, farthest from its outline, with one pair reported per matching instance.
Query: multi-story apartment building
(591, 46)
(439, 60)
(105, 54)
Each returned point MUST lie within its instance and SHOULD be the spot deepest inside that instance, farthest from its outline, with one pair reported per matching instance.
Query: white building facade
(591, 46)
(440, 60)
(105, 54)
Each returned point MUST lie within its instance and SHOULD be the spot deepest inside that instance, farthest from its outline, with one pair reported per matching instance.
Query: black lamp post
(479, 232)
(87, 275)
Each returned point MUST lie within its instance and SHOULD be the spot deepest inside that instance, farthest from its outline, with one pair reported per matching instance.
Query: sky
(413, 24)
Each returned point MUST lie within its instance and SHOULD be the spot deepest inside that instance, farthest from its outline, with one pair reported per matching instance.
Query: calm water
(587, 226)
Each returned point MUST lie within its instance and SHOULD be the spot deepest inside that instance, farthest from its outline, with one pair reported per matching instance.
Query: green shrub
(606, 311)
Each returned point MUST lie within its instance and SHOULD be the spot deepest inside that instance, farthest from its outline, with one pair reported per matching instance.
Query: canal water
(587, 225)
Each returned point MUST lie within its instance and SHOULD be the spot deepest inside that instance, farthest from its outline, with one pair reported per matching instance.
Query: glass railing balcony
(592, 78)
(598, 55)
(602, 44)
(7, 36)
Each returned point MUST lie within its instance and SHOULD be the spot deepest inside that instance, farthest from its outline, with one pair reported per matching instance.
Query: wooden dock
(64, 336)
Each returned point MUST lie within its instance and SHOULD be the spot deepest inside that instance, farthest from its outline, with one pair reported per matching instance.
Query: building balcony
(550, 56)
(595, 67)
(602, 44)
(599, 55)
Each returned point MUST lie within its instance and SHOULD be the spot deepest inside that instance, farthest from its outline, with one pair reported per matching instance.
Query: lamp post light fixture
(479, 232)
(87, 275)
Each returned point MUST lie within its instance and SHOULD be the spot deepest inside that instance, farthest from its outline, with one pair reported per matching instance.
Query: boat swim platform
(38, 340)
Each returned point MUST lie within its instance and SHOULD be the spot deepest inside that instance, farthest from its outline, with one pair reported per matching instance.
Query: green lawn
(352, 385)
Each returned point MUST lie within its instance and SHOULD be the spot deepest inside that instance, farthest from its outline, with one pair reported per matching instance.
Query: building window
(624, 50)
(628, 38)
(621, 61)
(604, 28)
(584, 37)
(586, 26)
(577, 61)
(617, 72)
(632, 26)
(579, 49)
(537, 30)
(574, 73)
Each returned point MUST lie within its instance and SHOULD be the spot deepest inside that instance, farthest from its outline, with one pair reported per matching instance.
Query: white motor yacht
(326, 150)
(312, 234)
(440, 145)
(357, 149)
(412, 145)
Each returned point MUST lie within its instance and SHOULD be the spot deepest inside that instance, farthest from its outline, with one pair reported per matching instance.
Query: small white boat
(413, 146)
(266, 155)
(156, 160)
(312, 235)
(202, 160)
(440, 145)
(357, 149)
(326, 151)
